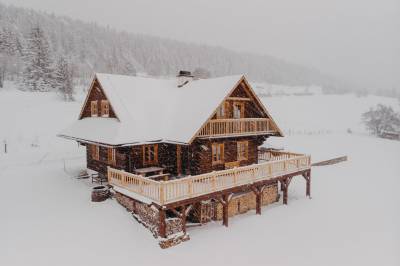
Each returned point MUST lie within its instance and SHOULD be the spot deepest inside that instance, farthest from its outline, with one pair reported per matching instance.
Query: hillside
(91, 48)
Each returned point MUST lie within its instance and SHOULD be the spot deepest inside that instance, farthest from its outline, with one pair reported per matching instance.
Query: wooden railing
(162, 192)
(242, 126)
(272, 155)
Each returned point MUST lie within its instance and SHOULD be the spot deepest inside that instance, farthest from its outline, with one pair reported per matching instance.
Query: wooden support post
(162, 227)
(307, 176)
(258, 192)
(225, 204)
(284, 188)
(285, 194)
(258, 203)
(183, 211)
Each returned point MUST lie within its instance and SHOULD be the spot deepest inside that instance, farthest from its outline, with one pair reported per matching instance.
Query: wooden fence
(163, 192)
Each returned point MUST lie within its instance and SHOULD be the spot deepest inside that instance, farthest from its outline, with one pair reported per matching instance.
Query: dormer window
(105, 108)
(93, 108)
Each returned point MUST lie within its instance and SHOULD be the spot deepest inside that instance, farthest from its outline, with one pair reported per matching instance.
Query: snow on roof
(152, 109)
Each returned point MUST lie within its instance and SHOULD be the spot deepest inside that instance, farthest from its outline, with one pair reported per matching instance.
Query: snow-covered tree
(38, 71)
(380, 119)
(63, 79)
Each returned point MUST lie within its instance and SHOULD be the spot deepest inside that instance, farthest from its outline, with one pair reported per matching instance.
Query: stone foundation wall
(148, 216)
(173, 226)
(241, 203)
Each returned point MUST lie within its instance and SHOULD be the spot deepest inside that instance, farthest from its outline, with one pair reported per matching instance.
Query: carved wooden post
(162, 227)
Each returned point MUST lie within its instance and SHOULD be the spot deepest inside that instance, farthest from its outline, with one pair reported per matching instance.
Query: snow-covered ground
(353, 218)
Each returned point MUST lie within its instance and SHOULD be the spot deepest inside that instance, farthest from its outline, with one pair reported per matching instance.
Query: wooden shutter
(111, 156)
(93, 108)
(105, 109)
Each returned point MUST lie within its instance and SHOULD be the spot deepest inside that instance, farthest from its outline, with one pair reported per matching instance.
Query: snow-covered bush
(381, 118)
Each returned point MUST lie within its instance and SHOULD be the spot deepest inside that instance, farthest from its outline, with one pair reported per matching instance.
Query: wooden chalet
(183, 149)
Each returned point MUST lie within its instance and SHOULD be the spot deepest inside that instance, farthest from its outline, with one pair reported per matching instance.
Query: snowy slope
(47, 217)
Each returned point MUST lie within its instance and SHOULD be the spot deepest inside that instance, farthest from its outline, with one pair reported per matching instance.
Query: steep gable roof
(151, 109)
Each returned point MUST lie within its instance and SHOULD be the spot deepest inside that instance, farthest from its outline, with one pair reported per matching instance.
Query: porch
(272, 166)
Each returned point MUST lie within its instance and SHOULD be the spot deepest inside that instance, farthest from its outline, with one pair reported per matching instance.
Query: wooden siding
(202, 153)
(101, 164)
(96, 94)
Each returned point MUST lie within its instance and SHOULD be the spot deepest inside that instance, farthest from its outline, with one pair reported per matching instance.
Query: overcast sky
(358, 40)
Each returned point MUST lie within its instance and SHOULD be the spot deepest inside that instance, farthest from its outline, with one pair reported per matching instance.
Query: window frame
(103, 104)
(242, 150)
(217, 149)
(221, 111)
(146, 150)
(94, 110)
(235, 104)
(95, 152)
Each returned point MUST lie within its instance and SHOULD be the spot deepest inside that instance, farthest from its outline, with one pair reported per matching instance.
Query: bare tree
(380, 119)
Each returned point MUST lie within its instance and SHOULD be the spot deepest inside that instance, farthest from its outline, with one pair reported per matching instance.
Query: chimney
(184, 77)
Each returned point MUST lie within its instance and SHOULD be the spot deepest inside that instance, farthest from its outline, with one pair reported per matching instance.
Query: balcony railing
(163, 192)
(236, 127)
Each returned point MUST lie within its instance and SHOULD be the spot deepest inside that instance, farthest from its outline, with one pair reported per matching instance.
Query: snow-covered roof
(150, 109)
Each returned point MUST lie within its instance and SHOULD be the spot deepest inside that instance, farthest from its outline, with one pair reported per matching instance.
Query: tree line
(88, 48)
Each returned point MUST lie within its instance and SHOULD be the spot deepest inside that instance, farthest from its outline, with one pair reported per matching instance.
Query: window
(221, 111)
(105, 108)
(242, 150)
(150, 154)
(95, 152)
(217, 153)
(93, 108)
(238, 110)
(111, 156)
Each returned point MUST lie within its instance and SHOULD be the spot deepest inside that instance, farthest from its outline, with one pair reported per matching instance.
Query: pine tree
(38, 71)
(63, 79)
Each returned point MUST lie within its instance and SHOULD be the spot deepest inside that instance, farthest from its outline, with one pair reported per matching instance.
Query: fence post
(190, 186)
(213, 184)
(162, 193)
(5, 146)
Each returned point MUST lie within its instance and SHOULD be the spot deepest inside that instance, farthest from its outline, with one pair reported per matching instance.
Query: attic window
(93, 108)
(221, 111)
(238, 110)
(105, 108)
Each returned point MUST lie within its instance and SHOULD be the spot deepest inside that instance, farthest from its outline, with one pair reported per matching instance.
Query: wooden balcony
(236, 127)
(165, 192)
